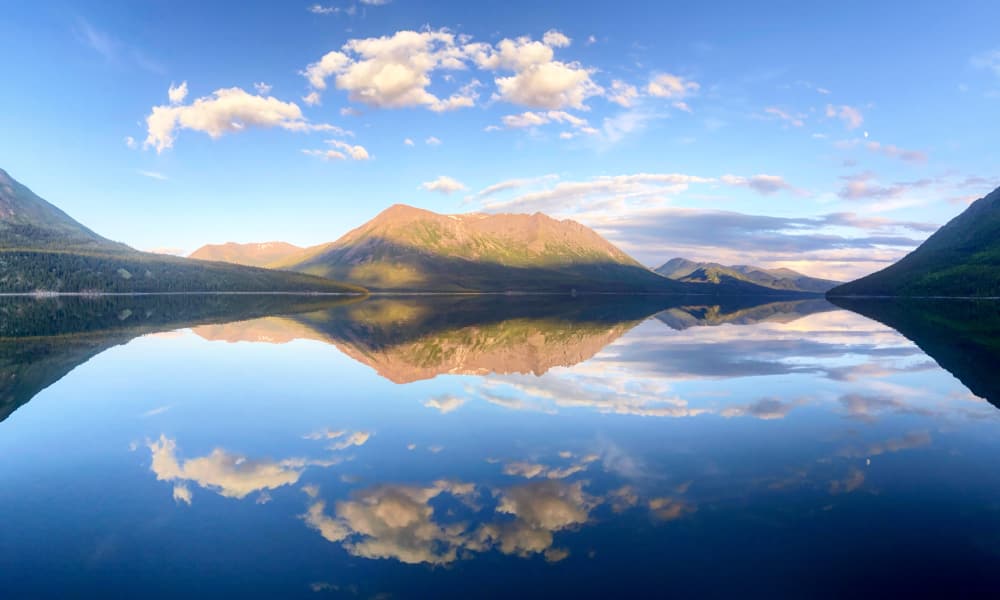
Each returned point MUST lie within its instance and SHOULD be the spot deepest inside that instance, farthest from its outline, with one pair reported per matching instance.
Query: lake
(492, 446)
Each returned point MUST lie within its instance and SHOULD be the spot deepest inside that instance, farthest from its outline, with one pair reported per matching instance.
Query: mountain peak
(785, 280)
(412, 249)
(960, 259)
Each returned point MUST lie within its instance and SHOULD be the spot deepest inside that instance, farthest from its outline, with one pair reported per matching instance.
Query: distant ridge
(961, 259)
(44, 249)
(261, 254)
(786, 280)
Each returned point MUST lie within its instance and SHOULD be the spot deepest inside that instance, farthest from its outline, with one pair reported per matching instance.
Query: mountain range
(407, 249)
(960, 259)
(44, 249)
(785, 280)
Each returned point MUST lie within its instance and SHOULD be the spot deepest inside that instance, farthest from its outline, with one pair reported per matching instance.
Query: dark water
(493, 447)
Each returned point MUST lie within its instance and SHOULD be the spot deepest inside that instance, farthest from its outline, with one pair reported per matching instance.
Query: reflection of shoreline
(962, 336)
(416, 340)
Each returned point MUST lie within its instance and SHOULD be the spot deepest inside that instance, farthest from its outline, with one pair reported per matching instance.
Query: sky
(827, 138)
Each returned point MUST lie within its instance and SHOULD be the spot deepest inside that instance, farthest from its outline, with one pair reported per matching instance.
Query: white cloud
(443, 184)
(262, 88)
(432, 141)
(312, 98)
(622, 94)
(131, 143)
(536, 119)
(358, 438)
(851, 116)
(227, 110)
(446, 403)
(795, 120)
(152, 174)
(340, 151)
(394, 71)
(598, 193)
(893, 151)
(555, 39)
(177, 94)
(182, 493)
(538, 81)
(232, 476)
(408, 142)
(665, 85)
(509, 184)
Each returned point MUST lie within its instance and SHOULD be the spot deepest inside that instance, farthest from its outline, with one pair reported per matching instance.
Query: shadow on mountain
(43, 339)
(963, 336)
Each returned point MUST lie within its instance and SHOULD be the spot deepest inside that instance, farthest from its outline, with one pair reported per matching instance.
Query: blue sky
(827, 139)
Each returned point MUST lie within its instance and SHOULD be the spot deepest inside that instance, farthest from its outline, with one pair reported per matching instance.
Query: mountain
(960, 259)
(44, 249)
(252, 255)
(421, 337)
(41, 340)
(962, 336)
(410, 249)
(747, 313)
(785, 280)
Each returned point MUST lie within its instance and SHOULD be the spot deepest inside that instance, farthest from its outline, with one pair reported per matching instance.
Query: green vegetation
(43, 339)
(44, 249)
(960, 259)
(963, 336)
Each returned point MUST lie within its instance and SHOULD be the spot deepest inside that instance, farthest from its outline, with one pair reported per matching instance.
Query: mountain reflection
(963, 336)
(406, 340)
(517, 339)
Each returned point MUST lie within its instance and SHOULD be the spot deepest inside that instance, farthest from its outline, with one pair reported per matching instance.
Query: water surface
(495, 446)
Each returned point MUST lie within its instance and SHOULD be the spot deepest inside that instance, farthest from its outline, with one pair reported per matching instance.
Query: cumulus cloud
(537, 119)
(623, 94)
(443, 184)
(262, 88)
(394, 71)
(432, 141)
(358, 438)
(445, 403)
(227, 110)
(851, 116)
(340, 151)
(666, 85)
(538, 80)
(230, 475)
(177, 94)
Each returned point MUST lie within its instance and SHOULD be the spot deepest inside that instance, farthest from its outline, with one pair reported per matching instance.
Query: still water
(287, 447)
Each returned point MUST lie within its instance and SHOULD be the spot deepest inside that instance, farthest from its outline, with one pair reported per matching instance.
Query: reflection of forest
(963, 336)
(403, 338)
